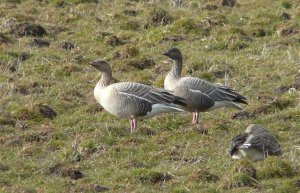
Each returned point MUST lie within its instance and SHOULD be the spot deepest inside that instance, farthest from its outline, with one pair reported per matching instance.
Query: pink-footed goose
(132, 100)
(200, 95)
(256, 144)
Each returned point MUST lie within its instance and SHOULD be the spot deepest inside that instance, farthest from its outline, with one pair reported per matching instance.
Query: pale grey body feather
(133, 100)
(200, 95)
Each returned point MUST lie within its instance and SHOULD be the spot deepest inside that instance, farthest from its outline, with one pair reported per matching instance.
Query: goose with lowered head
(256, 144)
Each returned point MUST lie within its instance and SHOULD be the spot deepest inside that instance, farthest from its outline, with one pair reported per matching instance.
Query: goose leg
(195, 118)
(132, 125)
(193, 121)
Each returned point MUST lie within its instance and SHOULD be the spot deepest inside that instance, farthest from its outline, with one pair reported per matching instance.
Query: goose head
(101, 65)
(255, 129)
(173, 53)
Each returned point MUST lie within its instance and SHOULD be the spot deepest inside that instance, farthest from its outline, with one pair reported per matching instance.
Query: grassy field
(54, 137)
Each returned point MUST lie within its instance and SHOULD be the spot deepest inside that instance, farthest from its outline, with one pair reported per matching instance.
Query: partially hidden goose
(132, 100)
(200, 95)
(256, 144)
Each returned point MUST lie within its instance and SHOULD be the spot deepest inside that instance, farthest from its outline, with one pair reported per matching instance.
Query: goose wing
(216, 91)
(264, 142)
(197, 99)
(236, 142)
(132, 105)
(148, 93)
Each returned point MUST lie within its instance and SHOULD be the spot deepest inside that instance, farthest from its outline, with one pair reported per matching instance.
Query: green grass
(167, 154)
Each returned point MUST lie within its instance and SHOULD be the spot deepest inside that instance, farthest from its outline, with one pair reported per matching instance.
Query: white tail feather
(219, 104)
(163, 108)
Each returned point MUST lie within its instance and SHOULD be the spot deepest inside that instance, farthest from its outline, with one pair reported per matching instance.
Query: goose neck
(105, 79)
(177, 67)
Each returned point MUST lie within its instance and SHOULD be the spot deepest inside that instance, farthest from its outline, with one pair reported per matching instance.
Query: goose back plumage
(153, 95)
(256, 143)
(216, 92)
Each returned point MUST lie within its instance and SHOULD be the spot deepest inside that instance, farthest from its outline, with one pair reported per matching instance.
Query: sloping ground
(54, 137)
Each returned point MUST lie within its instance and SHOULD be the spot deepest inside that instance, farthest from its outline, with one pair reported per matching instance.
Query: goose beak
(165, 53)
(92, 63)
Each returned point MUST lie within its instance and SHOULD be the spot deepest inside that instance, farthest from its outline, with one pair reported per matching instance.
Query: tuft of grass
(287, 187)
(274, 167)
(204, 176)
(148, 176)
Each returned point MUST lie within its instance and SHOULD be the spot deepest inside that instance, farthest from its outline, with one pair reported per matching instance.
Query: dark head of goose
(173, 53)
(100, 65)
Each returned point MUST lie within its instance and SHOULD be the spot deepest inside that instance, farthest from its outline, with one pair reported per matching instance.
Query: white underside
(161, 108)
(250, 153)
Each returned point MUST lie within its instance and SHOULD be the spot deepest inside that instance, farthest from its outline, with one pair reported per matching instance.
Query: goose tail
(164, 108)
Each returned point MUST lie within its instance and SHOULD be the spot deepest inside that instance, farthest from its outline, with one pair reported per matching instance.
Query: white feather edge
(163, 108)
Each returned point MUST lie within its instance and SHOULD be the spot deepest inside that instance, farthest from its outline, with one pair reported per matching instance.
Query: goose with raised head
(200, 95)
(256, 144)
(132, 100)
